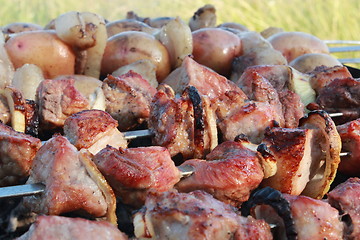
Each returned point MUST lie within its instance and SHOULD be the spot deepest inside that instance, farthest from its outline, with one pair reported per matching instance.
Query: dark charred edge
(31, 118)
(264, 150)
(199, 120)
(275, 199)
(241, 137)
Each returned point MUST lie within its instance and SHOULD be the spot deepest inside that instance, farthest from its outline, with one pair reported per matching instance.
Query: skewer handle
(137, 134)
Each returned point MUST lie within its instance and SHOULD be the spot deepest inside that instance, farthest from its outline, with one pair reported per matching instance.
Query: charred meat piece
(250, 119)
(93, 130)
(322, 76)
(56, 227)
(346, 198)
(57, 100)
(205, 80)
(350, 139)
(295, 217)
(72, 182)
(340, 95)
(230, 172)
(17, 151)
(195, 215)
(186, 125)
(292, 107)
(133, 172)
(292, 149)
(128, 97)
(172, 121)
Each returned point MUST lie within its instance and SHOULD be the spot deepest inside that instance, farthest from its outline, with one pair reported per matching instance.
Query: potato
(42, 48)
(127, 47)
(204, 17)
(6, 66)
(86, 33)
(17, 27)
(124, 25)
(234, 25)
(216, 48)
(177, 38)
(294, 44)
(308, 62)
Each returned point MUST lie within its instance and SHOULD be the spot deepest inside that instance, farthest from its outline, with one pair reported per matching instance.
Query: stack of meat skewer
(217, 147)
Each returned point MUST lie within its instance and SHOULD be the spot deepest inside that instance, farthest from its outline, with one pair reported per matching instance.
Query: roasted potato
(127, 47)
(294, 44)
(42, 48)
(309, 61)
(216, 48)
(17, 27)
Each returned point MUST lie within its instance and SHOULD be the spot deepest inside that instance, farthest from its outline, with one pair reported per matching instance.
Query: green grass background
(327, 19)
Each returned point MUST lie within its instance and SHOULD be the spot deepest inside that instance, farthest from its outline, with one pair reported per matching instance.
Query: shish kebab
(37, 188)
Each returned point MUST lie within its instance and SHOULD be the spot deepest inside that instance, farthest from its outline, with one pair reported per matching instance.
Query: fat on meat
(133, 172)
(196, 215)
(68, 185)
(93, 130)
(128, 97)
(230, 172)
(65, 228)
(17, 151)
(346, 198)
(57, 100)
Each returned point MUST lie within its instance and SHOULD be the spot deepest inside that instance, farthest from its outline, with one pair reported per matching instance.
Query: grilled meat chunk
(345, 98)
(315, 219)
(195, 215)
(322, 76)
(17, 151)
(346, 198)
(250, 119)
(93, 130)
(350, 139)
(56, 227)
(295, 217)
(271, 83)
(292, 149)
(57, 100)
(128, 97)
(71, 181)
(230, 172)
(186, 125)
(205, 80)
(133, 172)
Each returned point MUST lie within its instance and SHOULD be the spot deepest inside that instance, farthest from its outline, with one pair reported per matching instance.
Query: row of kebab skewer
(252, 158)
